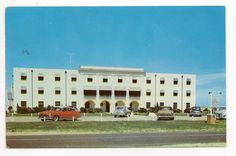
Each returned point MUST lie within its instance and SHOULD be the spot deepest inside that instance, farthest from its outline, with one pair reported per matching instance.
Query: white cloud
(210, 82)
(210, 78)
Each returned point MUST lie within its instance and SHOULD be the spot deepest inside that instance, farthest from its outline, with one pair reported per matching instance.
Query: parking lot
(84, 117)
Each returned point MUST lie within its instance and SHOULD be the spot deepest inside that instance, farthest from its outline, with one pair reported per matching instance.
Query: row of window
(74, 104)
(175, 105)
(105, 92)
(105, 80)
(41, 104)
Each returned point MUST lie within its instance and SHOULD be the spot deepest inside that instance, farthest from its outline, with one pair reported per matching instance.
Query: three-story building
(102, 87)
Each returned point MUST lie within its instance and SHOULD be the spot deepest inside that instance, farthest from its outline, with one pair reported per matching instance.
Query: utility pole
(155, 91)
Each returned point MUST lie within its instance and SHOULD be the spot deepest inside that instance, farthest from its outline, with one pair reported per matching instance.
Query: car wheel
(115, 116)
(55, 118)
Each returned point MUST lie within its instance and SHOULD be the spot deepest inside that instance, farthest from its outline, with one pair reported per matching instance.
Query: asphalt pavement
(113, 140)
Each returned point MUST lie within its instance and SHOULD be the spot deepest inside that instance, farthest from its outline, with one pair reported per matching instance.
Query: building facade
(102, 87)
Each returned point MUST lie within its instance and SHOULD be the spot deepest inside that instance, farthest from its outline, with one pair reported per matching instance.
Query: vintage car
(165, 112)
(195, 111)
(59, 113)
(220, 112)
(121, 111)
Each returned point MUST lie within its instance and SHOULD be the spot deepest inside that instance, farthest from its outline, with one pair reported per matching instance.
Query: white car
(220, 112)
(121, 111)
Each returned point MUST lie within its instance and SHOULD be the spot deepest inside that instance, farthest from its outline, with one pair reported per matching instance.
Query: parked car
(195, 111)
(220, 112)
(121, 111)
(59, 113)
(165, 112)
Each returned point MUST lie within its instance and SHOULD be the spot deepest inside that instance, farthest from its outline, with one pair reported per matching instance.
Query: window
(40, 77)
(148, 93)
(148, 104)
(162, 93)
(161, 103)
(187, 105)
(57, 78)
(162, 81)
(74, 104)
(120, 93)
(90, 92)
(105, 92)
(40, 104)
(120, 80)
(73, 92)
(23, 76)
(89, 79)
(57, 90)
(175, 106)
(188, 81)
(188, 93)
(134, 93)
(148, 81)
(73, 79)
(134, 81)
(57, 103)
(23, 90)
(40, 91)
(104, 80)
(175, 81)
(175, 93)
(23, 104)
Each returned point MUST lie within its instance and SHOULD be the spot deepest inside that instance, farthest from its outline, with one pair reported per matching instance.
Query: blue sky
(158, 39)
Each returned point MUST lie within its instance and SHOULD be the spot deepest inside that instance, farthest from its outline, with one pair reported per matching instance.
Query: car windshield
(119, 107)
(56, 108)
(165, 108)
(221, 108)
(196, 108)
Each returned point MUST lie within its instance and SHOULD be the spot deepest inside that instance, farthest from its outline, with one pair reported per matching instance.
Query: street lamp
(211, 101)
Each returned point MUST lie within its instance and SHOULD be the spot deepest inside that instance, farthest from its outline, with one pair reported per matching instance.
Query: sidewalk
(108, 118)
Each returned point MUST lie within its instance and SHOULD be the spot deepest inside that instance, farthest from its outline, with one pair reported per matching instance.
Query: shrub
(91, 110)
(49, 107)
(24, 110)
(38, 109)
(187, 110)
(206, 110)
(83, 110)
(98, 110)
(10, 109)
(142, 110)
(177, 111)
(153, 109)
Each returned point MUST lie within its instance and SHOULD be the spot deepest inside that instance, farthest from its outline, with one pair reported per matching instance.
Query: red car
(58, 113)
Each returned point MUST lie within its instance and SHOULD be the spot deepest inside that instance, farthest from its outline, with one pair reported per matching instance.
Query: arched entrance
(105, 106)
(134, 105)
(89, 104)
(119, 103)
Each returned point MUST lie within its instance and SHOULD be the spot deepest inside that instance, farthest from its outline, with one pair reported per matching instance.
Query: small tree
(10, 109)
(49, 107)
(206, 110)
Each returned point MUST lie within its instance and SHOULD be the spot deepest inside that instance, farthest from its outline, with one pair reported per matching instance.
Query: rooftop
(96, 69)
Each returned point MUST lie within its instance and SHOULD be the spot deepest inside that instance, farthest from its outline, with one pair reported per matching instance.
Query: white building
(102, 87)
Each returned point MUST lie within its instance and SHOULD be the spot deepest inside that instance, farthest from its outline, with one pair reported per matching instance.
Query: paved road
(112, 140)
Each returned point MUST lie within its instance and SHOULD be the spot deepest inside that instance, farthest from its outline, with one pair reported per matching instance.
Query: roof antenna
(70, 59)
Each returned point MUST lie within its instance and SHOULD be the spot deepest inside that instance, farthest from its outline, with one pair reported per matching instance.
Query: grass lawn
(115, 127)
